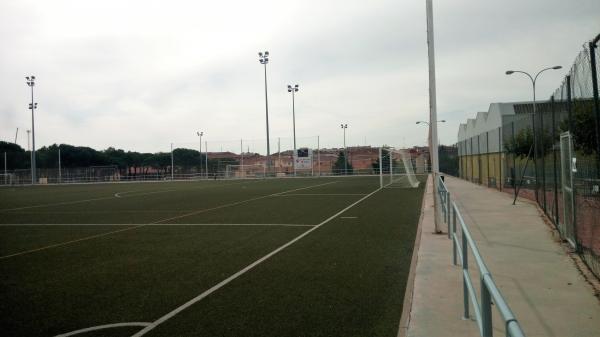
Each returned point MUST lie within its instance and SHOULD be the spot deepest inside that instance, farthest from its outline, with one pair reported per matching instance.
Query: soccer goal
(245, 171)
(7, 179)
(399, 172)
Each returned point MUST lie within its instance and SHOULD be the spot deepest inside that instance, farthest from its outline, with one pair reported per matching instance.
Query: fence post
(543, 155)
(486, 309)
(479, 175)
(500, 156)
(465, 267)
(592, 48)
(454, 248)
(487, 155)
(448, 211)
(552, 102)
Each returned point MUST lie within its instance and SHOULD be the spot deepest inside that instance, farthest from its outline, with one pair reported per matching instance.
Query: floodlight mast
(32, 106)
(433, 140)
(344, 127)
(200, 133)
(294, 90)
(263, 58)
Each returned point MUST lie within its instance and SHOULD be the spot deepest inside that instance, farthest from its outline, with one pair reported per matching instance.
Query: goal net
(245, 171)
(400, 172)
(7, 179)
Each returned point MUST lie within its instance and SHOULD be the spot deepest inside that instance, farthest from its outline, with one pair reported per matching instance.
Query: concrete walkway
(538, 279)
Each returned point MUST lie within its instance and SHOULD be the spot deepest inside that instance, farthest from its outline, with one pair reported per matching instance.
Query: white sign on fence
(303, 159)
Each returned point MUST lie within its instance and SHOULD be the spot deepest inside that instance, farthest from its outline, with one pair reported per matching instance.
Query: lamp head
(509, 72)
(557, 67)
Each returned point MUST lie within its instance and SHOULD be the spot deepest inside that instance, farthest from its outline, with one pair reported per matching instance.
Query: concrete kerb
(408, 293)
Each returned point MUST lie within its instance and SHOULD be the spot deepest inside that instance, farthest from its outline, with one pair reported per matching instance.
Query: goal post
(396, 169)
(7, 179)
(233, 171)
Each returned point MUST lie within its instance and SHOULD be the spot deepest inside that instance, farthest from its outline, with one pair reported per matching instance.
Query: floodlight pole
(200, 133)
(59, 167)
(242, 152)
(264, 59)
(433, 146)
(344, 127)
(32, 106)
(172, 162)
(206, 158)
(294, 90)
(533, 83)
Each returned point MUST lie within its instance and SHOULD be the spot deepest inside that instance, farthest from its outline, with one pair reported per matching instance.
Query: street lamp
(263, 58)
(293, 90)
(533, 82)
(344, 127)
(199, 133)
(32, 106)
(424, 122)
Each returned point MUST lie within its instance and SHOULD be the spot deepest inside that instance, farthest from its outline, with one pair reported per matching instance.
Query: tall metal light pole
(172, 162)
(344, 127)
(293, 90)
(32, 106)
(263, 58)
(433, 146)
(533, 83)
(200, 133)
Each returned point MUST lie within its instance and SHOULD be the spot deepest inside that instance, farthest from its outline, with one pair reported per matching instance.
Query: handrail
(489, 290)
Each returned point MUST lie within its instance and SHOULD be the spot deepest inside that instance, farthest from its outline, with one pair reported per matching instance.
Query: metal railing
(489, 291)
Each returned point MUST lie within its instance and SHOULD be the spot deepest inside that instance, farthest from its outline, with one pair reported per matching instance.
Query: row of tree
(128, 162)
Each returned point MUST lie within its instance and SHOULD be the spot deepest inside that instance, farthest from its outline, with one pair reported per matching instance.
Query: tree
(584, 126)
(341, 165)
(385, 161)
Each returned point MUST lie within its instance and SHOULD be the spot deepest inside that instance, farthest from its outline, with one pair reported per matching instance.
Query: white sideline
(161, 224)
(319, 194)
(134, 226)
(243, 271)
(102, 327)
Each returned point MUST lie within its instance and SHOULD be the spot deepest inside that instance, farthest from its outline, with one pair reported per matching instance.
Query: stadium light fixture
(32, 107)
(533, 83)
(424, 122)
(294, 90)
(263, 58)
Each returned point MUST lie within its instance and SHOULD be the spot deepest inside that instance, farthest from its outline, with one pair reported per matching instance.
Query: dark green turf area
(102, 262)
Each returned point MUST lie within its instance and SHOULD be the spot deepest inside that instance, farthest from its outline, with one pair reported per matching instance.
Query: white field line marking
(243, 271)
(165, 224)
(239, 202)
(133, 226)
(319, 194)
(102, 327)
(111, 197)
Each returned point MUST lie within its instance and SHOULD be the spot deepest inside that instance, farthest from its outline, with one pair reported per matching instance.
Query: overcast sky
(139, 75)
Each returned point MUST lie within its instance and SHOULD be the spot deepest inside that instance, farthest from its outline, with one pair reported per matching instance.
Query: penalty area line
(102, 327)
(244, 270)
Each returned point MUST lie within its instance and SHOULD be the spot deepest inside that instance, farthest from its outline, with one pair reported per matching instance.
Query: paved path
(538, 279)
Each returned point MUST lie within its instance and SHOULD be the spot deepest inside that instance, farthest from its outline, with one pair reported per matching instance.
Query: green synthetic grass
(346, 278)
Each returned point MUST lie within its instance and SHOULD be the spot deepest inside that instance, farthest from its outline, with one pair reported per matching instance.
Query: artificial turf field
(271, 257)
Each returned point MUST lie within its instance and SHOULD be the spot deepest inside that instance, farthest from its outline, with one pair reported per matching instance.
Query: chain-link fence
(548, 151)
